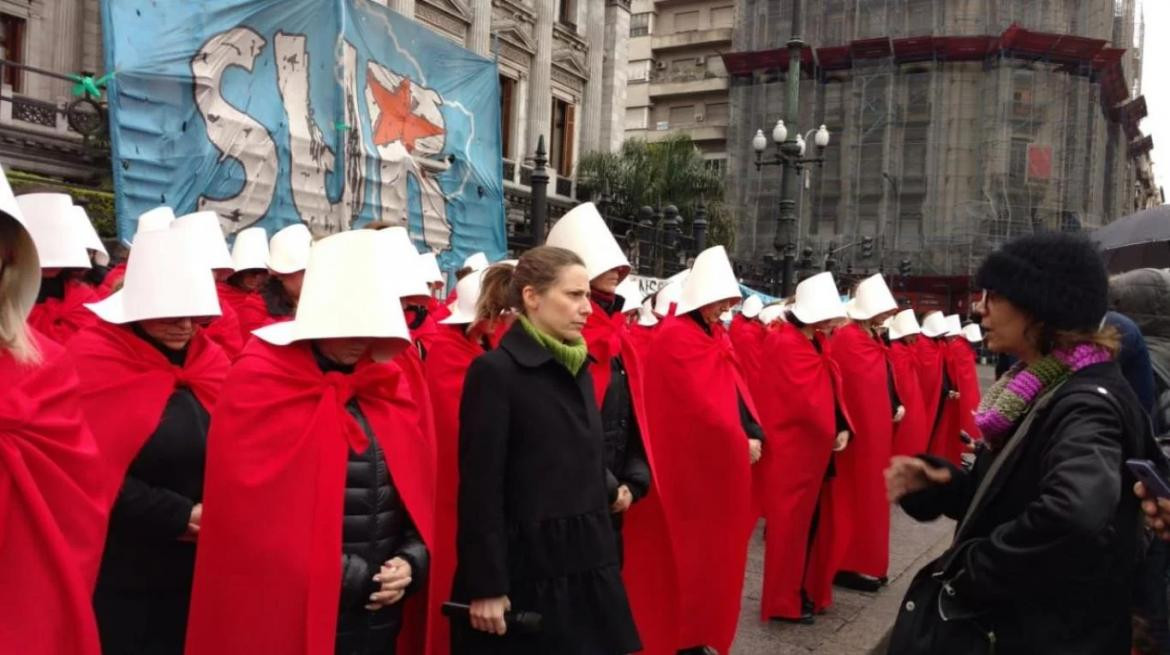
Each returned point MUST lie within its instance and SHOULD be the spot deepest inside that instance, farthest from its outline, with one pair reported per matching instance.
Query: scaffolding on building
(957, 124)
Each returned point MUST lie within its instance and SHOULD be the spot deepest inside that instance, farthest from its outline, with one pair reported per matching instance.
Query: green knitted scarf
(571, 355)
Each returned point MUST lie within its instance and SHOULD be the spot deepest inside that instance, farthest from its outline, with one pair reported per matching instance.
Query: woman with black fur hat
(1044, 556)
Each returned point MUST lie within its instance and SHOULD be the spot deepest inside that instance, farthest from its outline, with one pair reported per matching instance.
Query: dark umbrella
(1140, 240)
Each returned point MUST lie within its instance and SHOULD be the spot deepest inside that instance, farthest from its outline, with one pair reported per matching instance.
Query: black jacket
(375, 528)
(534, 521)
(1046, 559)
(162, 486)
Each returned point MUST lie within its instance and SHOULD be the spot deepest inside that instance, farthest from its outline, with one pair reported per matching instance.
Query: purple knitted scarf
(1012, 396)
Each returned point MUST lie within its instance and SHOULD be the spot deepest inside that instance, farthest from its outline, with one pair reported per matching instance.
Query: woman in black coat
(1049, 535)
(534, 531)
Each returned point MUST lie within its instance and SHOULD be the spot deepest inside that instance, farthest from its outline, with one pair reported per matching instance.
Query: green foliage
(670, 172)
(98, 203)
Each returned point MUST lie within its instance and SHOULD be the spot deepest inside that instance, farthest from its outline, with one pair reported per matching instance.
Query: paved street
(858, 622)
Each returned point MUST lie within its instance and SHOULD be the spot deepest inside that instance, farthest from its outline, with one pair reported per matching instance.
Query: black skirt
(555, 571)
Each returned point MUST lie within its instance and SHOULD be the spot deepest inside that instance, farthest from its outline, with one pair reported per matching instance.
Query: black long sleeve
(895, 400)
(751, 426)
(150, 511)
(636, 472)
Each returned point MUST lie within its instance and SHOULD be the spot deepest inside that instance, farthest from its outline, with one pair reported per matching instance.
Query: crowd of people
(306, 446)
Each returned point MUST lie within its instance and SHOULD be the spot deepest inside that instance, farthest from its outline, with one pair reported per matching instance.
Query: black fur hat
(1056, 277)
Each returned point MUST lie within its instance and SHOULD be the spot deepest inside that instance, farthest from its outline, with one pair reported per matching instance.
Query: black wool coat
(1045, 554)
(534, 520)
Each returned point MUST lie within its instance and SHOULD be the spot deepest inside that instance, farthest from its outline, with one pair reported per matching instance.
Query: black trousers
(141, 622)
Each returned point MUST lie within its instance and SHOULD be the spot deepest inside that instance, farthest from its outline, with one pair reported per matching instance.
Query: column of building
(591, 114)
(614, 74)
(479, 37)
(540, 79)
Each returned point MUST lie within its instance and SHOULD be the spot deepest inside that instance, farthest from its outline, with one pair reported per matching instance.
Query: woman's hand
(624, 500)
(1157, 511)
(908, 475)
(394, 578)
(953, 395)
(900, 414)
(487, 614)
(193, 523)
(755, 450)
(842, 440)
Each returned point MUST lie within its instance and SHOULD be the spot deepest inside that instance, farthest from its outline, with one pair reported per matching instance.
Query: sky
(1156, 85)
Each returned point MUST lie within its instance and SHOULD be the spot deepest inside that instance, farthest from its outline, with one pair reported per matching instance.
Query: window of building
(718, 166)
(637, 118)
(682, 115)
(507, 107)
(568, 14)
(639, 70)
(716, 113)
(564, 124)
(640, 24)
(686, 21)
(723, 16)
(12, 47)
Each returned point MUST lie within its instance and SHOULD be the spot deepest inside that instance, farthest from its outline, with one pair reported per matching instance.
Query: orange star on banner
(396, 120)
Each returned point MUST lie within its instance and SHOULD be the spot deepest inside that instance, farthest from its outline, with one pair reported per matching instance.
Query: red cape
(267, 574)
(747, 336)
(60, 319)
(248, 305)
(956, 415)
(912, 434)
(438, 309)
(797, 403)
(929, 356)
(125, 385)
(966, 377)
(52, 525)
(113, 278)
(700, 446)
(860, 480)
(225, 332)
(648, 569)
(448, 359)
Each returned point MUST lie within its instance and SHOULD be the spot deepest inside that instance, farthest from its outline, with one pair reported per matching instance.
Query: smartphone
(1146, 473)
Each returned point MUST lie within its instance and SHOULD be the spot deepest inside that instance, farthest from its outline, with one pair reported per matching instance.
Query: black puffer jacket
(376, 528)
(1144, 296)
(1045, 556)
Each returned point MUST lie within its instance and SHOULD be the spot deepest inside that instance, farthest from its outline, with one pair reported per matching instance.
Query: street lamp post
(789, 155)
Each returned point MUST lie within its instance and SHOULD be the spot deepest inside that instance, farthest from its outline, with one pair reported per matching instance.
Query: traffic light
(867, 247)
(904, 267)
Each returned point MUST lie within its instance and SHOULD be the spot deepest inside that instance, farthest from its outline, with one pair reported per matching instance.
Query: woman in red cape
(60, 311)
(150, 377)
(966, 375)
(747, 337)
(801, 439)
(309, 425)
(910, 436)
(929, 355)
(701, 431)
(870, 400)
(457, 342)
(288, 255)
(52, 524)
(946, 423)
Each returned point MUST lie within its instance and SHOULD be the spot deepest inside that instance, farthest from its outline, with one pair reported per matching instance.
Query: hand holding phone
(1146, 473)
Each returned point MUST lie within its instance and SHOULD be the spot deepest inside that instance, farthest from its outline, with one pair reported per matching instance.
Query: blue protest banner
(328, 112)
